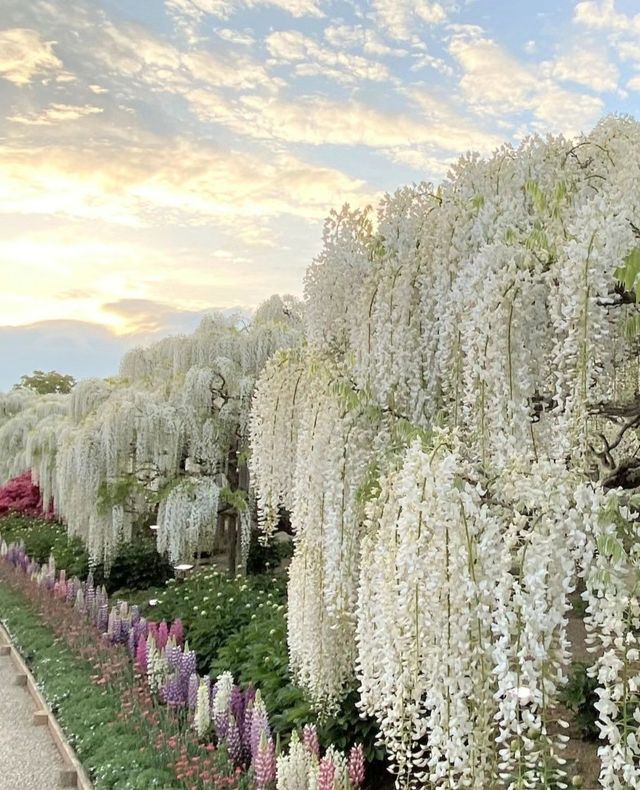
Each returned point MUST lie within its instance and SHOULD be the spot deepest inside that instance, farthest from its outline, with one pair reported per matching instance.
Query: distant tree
(47, 383)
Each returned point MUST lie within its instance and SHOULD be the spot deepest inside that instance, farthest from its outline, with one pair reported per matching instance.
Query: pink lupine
(264, 763)
(356, 766)
(177, 631)
(163, 635)
(310, 740)
(326, 774)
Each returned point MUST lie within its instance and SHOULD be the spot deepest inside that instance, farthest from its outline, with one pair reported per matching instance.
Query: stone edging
(73, 774)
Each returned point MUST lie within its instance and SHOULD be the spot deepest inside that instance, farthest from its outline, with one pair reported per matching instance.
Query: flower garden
(386, 535)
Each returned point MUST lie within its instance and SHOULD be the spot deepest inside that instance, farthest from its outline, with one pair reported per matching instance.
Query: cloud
(400, 18)
(24, 54)
(291, 46)
(56, 113)
(586, 64)
(495, 83)
(346, 37)
(197, 9)
(146, 317)
(320, 121)
(602, 15)
(150, 181)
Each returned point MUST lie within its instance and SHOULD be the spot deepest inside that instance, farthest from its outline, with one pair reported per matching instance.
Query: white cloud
(319, 121)
(149, 181)
(24, 54)
(495, 83)
(294, 47)
(586, 64)
(56, 113)
(399, 18)
(197, 9)
(602, 15)
(360, 37)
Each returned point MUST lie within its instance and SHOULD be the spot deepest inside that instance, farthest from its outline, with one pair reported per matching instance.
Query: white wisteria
(482, 339)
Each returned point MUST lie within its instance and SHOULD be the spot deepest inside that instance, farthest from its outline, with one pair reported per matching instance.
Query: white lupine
(202, 714)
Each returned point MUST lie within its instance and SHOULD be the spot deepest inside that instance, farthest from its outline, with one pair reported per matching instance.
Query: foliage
(579, 695)
(136, 566)
(213, 606)
(47, 383)
(266, 558)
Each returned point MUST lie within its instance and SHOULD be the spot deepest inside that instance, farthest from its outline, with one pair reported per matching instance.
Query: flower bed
(160, 688)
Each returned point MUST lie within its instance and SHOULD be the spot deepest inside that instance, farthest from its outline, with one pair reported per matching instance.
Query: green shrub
(579, 695)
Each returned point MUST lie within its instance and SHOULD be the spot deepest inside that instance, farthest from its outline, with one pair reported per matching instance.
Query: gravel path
(29, 759)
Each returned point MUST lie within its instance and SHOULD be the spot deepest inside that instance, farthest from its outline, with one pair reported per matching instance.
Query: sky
(162, 158)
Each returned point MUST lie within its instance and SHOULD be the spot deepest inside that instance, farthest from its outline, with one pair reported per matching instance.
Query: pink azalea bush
(22, 497)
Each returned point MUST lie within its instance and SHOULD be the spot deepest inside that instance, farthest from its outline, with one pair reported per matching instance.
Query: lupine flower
(163, 635)
(192, 691)
(233, 740)
(310, 740)
(141, 656)
(202, 719)
(356, 766)
(326, 774)
(177, 631)
(264, 764)
(259, 723)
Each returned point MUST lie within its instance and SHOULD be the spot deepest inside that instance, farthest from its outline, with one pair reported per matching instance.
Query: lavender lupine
(259, 723)
(141, 656)
(173, 653)
(102, 618)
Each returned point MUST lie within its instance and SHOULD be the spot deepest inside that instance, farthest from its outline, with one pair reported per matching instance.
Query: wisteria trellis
(457, 443)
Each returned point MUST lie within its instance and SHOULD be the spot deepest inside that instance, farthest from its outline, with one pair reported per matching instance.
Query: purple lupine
(177, 631)
(249, 697)
(102, 618)
(326, 774)
(356, 766)
(135, 614)
(236, 707)
(163, 635)
(173, 654)
(310, 740)
(264, 763)
(172, 694)
(233, 740)
(192, 692)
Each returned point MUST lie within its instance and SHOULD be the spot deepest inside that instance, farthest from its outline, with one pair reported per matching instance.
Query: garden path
(29, 759)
